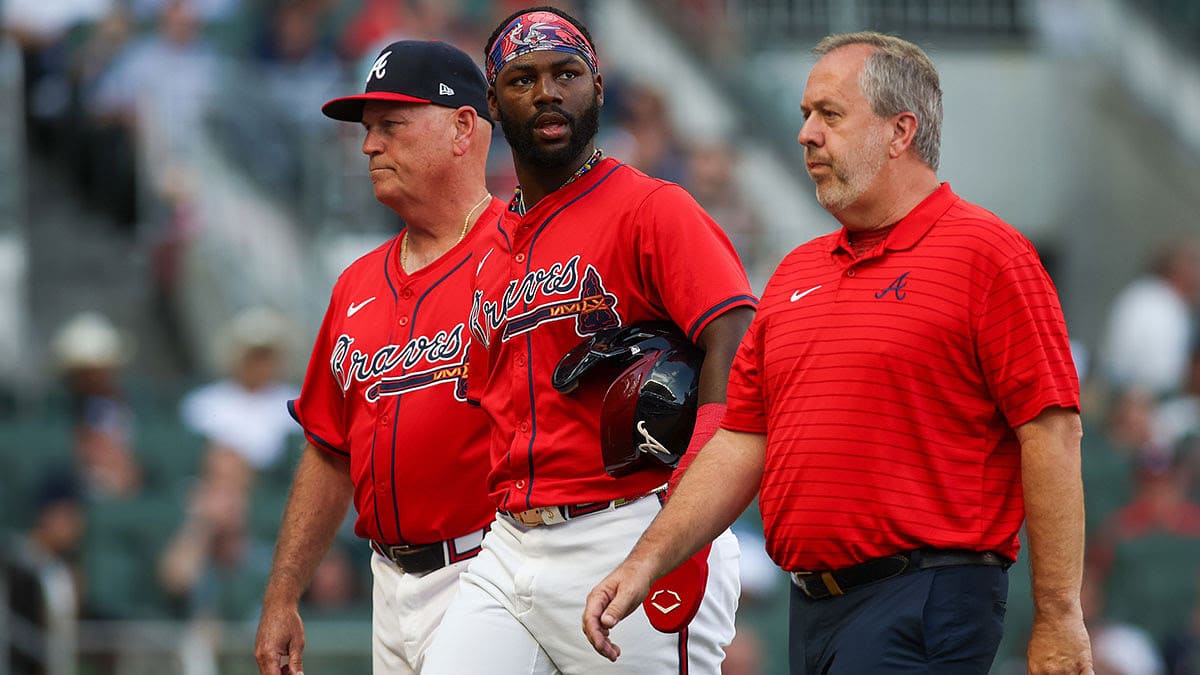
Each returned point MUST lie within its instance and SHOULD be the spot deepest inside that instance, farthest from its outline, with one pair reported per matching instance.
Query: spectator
(41, 29)
(710, 180)
(1178, 417)
(42, 562)
(90, 352)
(645, 134)
(151, 105)
(1146, 558)
(1121, 649)
(246, 412)
(336, 590)
(1152, 323)
(212, 566)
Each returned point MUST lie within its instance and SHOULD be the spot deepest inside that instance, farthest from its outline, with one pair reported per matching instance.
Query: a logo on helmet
(651, 444)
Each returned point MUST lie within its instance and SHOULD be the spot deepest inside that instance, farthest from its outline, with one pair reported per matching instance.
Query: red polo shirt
(888, 386)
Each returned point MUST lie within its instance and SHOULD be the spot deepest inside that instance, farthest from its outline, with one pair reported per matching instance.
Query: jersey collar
(517, 205)
(911, 227)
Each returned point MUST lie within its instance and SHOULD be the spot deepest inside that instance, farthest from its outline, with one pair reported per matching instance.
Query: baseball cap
(417, 71)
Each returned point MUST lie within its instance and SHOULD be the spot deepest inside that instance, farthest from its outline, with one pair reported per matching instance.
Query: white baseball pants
(520, 604)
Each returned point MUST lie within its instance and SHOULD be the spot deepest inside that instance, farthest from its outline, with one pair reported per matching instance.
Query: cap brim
(350, 108)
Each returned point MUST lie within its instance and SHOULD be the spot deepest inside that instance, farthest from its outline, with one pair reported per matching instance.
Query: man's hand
(1059, 645)
(611, 600)
(279, 646)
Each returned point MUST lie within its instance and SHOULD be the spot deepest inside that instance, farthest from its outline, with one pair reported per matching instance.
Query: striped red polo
(888, 386)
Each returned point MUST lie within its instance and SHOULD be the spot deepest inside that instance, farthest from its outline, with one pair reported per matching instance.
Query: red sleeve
(687, 263)
(1022, 342)
(321, 409)
(745, 406)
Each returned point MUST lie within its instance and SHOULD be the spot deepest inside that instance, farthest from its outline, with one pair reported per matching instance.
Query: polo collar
(913, 226)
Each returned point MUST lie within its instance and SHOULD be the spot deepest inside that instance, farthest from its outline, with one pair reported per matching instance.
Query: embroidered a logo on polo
(896, 287)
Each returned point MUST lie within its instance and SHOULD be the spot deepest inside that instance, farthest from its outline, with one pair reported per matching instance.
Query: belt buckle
(817, 585)
(551, 515)
(393, 552)
(538, 516)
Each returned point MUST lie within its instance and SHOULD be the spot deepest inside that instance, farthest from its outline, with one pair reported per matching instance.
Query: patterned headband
(535, 32)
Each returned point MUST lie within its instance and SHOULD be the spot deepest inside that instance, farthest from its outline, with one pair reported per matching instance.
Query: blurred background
(174, 210)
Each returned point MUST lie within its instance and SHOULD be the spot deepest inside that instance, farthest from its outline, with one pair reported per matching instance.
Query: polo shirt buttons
(520, 257)
(404, 321)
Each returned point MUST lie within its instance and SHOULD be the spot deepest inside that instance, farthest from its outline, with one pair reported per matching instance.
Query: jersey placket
(522, 402)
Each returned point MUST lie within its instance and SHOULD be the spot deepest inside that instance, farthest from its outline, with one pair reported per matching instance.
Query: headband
(535, 32)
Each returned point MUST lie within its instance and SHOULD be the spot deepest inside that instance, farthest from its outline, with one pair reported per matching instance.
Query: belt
(552, 515)
(819, 585)
(425, 558)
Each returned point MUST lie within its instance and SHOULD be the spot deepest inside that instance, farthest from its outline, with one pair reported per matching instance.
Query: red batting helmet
(649, 407)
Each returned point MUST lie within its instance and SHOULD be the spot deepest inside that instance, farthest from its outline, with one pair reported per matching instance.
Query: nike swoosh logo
(796, 295)
(353, 308)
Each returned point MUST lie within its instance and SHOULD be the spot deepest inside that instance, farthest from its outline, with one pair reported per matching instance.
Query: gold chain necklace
(461, 235)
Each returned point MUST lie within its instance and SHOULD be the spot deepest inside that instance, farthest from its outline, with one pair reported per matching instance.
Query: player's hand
(279, 646)
(1059, 644)
(611, 600)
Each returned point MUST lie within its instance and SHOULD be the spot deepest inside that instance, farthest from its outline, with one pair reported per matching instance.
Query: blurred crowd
(123, 91)
(168, 510)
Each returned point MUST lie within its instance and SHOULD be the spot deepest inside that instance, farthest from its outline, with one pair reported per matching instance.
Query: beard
(520, 136)
(853, 174)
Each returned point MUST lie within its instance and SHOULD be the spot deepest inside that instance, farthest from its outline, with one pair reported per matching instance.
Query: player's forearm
(1054, 511)
(715, 490)
(321, 494)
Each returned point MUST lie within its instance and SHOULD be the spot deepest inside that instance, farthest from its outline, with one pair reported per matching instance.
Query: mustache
(548, 110)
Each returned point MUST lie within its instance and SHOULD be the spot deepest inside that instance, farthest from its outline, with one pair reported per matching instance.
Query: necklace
(466, 226)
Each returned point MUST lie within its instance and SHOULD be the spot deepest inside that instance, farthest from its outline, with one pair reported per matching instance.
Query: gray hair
(898, 77)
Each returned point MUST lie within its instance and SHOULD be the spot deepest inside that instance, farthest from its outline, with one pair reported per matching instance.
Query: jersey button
(406, 293)
(383, 421)
(521, 360)
(520, 257)
(850, 272)
(404, 321)
(524, 427)
(520, 485)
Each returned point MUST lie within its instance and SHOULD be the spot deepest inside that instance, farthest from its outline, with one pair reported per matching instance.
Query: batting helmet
(649, 408)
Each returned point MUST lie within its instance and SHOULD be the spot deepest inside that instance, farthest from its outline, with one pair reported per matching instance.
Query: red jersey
(611, 248)
(888, 386)
(386, 387)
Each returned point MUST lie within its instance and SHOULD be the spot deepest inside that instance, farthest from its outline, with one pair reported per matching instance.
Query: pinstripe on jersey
(614, 247)
(386, 386)
(888, 384)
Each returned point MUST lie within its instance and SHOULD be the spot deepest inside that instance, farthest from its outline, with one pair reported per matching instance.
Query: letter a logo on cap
(380, 68)
(443, 90)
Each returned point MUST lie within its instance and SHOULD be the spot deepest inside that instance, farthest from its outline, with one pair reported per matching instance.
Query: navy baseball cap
(417, 71)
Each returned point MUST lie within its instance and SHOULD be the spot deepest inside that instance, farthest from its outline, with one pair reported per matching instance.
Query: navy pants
(939, 620)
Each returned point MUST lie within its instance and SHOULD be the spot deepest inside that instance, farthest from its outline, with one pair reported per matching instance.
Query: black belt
(425, 558)
(819, 585)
